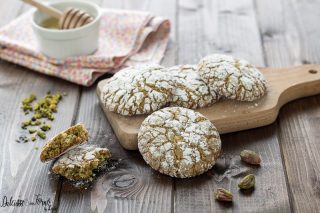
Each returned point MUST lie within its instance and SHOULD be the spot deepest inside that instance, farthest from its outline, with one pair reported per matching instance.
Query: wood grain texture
(132, 186)
(22, 176)
(290, 36)
(289, 32)
(226, 27)
(230, 27)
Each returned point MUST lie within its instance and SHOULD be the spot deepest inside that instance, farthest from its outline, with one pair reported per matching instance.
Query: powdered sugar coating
(179, 142)
(232, 78)
(190, 91)
(79, 162)
(137, 90)
(78, 155)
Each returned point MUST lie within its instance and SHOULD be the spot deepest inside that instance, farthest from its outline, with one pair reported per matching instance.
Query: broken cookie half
(63, 142)
(79, 163)
(76, 162)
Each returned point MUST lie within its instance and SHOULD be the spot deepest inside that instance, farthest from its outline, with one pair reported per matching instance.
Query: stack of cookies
(144, 89)
(176, 140)
(75, 162)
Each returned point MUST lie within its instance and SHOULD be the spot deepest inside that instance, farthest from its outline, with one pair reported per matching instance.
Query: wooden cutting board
(284, 85)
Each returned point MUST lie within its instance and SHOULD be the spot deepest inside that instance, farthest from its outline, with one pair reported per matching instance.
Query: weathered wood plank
(279, 33)
(218, 26)
(230, 27)
(22, 176)
(290, 36)
(132, 186)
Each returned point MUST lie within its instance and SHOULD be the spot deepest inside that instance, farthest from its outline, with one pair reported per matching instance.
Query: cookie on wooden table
(64, 141)
(79, 163)
(179, 142)
(137, 90)
(232, 78)
(190, 91)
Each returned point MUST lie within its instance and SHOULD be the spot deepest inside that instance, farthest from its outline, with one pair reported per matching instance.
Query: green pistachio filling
(72, 136)
(83, 169)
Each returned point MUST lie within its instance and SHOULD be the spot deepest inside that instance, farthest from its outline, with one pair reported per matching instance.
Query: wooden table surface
(274, 33)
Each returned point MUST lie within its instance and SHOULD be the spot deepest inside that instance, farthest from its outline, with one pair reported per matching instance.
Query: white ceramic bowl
(60, 44)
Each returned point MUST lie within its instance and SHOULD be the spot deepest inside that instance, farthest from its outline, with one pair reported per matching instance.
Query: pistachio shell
(247, 182)
(222, 194)
(250, 157)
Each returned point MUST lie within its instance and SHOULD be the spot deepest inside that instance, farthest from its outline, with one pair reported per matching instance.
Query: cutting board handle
(297, 82)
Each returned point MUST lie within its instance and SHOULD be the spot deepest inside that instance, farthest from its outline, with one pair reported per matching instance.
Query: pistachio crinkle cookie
(190, 90)
(232, 78)
(179, 142)
(64, 141)
(79, 163)
(137, 90)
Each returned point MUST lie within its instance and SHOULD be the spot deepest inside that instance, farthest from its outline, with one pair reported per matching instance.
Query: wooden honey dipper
(69, 19)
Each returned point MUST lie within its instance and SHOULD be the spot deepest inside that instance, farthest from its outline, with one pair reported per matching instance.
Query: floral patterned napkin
(126, 38)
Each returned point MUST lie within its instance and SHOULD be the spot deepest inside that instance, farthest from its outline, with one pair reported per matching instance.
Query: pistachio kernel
(24, 124)
(35, 123)
(250, 157)
(247, 182)
(31, 131)
(41, 110)
(41, 134)
(222, 194)
(45, 127)
(26, 104)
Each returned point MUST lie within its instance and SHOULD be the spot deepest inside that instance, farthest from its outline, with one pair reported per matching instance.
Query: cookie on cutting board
(137, 90)
(190, 90)
(232, 78)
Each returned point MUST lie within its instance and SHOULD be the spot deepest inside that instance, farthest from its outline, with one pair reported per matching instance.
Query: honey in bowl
(50, 23)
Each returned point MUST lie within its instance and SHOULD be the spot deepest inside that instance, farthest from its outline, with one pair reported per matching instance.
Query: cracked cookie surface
(64, 141)
(190, 90)
(137, 90)
(79, 163)
(232, 78)
(179, 142)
